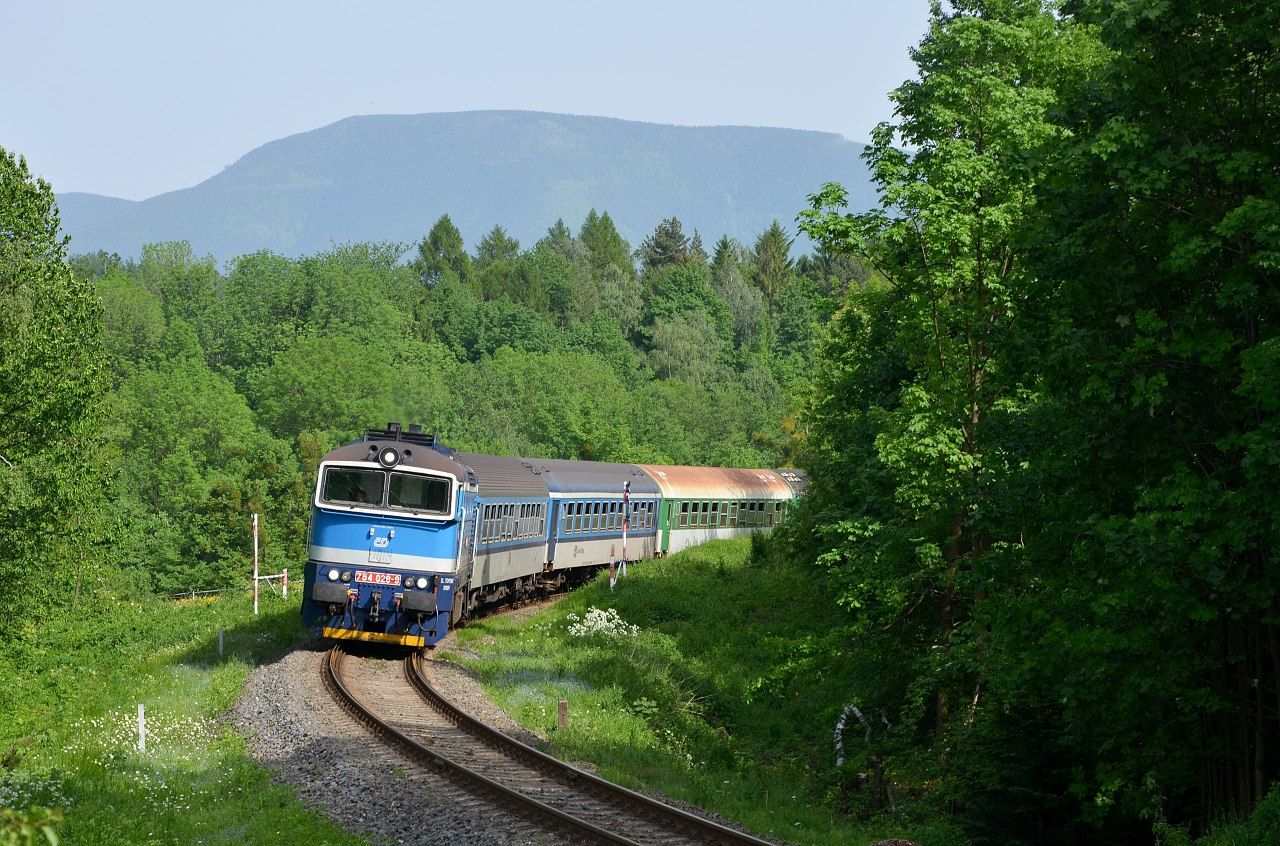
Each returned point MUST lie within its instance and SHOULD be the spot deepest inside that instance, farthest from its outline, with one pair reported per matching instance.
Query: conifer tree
(441, 252)
(666, 246)
(605, 245)
(497, 246)
(772, 259)
(697, 253)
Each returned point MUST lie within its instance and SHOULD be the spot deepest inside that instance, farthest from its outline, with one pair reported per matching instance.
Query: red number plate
(377, 578)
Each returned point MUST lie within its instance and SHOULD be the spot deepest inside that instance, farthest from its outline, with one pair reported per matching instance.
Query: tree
(441, 252)
(497, 246)
(697, 253)
(772, 259)
(51, 381)
(680, 348)
(931, 546)
(668, 245)
(606, 247)
(1156, 309)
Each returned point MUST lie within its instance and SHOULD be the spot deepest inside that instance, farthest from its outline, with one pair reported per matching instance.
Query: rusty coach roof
(797, 479)
(594, 477)
(718, 482)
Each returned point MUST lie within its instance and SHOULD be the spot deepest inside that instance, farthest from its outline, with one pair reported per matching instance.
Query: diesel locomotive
(409, 536)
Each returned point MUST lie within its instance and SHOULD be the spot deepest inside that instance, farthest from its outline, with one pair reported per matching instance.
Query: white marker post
(255, 565)
(142, 729)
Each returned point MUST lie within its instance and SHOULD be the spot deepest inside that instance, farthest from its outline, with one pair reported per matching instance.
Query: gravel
(338, 767)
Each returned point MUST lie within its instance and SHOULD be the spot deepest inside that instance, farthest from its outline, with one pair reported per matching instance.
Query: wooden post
(142, 730)
(562, 715)
(220, 641)
(285, 581)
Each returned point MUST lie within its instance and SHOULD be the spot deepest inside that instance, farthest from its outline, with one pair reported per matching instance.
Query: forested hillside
(219, 391)
(387, 177)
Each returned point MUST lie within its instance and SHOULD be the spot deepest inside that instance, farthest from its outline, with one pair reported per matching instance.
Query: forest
(1037, 392)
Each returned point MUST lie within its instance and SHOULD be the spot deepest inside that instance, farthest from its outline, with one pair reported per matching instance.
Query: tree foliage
(51, 379)
(1037, 432)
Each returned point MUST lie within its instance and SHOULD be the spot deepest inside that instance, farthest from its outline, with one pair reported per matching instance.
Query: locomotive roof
(680, 482)
(594, 477)
(505, 478)
(411, 455)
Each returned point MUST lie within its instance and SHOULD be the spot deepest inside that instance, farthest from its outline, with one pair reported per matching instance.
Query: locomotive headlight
(333, 575)
(408, 581)
(422, 583)
(346, 575)
(389, 457)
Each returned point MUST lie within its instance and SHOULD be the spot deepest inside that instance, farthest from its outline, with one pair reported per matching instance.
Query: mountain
(79, 210)
(389, 177)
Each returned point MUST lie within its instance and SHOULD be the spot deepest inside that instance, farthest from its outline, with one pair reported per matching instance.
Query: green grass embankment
(70, 693)
(669, 705)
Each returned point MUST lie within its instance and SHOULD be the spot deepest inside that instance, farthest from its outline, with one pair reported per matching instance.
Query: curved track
(399, 703)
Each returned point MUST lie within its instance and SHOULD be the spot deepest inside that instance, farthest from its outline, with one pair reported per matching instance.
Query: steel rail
(690, 823)
(333, 681)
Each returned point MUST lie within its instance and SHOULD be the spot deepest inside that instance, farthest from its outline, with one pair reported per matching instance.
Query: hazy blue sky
(136, 98)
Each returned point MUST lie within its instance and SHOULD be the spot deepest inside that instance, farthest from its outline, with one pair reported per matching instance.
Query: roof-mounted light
(388, 456)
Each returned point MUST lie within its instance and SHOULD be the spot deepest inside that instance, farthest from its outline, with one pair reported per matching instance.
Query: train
(409, 537)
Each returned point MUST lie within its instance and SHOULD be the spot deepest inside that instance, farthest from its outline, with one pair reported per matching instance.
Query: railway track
(400, 705)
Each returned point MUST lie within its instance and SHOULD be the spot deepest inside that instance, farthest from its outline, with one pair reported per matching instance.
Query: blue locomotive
(408, 536)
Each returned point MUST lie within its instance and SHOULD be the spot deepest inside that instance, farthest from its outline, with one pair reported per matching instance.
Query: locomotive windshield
(348, 486)
(419, 493)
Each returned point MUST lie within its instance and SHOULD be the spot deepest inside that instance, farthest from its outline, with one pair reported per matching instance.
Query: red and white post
(255, 565)
(626, 523)
(283, 576)
(615, 566)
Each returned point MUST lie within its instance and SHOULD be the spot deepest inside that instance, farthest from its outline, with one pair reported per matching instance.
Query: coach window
(684, 515)
(615, 516)
(715, 514)
(348, 486)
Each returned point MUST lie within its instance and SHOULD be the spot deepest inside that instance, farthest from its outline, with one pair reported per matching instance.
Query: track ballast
(401, 706)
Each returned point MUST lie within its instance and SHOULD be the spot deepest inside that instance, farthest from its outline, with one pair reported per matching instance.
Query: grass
(673, 704)
(70, 694)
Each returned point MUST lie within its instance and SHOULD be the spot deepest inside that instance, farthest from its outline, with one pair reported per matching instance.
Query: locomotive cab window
(419, 494)
(349, 486)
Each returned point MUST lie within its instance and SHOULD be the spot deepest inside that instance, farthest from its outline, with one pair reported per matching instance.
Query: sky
(133, 99)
